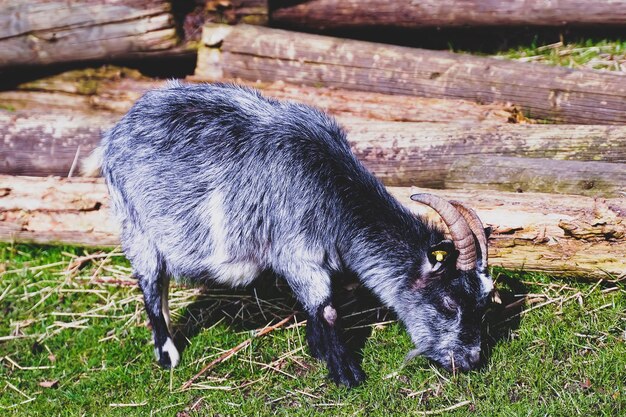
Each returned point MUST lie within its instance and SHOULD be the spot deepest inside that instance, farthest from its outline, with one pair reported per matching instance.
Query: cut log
(320, 15)
(560, 235)
(115, 89)
(53, 31)
(538, 174)
(253, 12)
(553, 93)
(37, 143)
(511, 157)
(500, 157)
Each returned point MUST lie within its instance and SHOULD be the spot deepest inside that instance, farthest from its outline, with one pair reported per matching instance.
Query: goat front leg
(325, 340)
(324, 335)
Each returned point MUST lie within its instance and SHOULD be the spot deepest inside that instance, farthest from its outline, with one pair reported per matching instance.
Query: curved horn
(457, 225)
(476, 226)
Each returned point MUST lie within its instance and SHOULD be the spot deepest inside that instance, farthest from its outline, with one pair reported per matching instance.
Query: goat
(214, 182)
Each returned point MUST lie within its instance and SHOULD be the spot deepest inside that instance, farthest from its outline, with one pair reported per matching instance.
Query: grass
(73, 341)
(595, 54)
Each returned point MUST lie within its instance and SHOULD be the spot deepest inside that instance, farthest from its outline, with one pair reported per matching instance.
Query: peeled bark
(43, 32)
(560, 235)
(586, 160)
(346, 14)
(553, 93)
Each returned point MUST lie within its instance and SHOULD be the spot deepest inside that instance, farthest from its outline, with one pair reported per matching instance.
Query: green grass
(85, 328)
(596, 54)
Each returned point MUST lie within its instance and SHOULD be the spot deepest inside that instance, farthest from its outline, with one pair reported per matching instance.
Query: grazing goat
(217, 183)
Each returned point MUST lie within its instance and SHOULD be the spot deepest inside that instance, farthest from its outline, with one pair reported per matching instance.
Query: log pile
(552, 93)
(113, 90)
(559, 235)
(469, 126)
(396, 139)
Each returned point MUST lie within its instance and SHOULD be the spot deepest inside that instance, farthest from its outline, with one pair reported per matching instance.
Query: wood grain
(561, 235)
(115, 89)
(574, 159)
(542, 91)
(43, 32)
(330, 14)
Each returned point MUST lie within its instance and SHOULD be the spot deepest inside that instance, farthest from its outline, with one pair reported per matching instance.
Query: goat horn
(457, 225)
(476, 226)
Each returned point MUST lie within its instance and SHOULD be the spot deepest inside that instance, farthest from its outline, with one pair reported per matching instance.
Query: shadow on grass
(270, 300)
(501, 320)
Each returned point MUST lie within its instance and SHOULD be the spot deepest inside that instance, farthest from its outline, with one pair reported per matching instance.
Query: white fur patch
(165, 306)
(172, 352)
(486, 283)
(227, 270)
(91, 166)
(330, 315)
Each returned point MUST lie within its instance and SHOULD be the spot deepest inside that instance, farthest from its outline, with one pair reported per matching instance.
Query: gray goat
(215, 182)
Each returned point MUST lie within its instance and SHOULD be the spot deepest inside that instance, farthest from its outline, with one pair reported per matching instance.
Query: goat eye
(450, 305)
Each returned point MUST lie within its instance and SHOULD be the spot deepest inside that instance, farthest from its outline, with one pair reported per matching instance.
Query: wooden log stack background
(539, 151)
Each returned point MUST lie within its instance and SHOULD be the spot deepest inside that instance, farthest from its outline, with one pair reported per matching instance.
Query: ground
(74, 341)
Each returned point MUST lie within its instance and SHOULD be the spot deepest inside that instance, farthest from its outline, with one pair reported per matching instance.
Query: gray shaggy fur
(216, 182)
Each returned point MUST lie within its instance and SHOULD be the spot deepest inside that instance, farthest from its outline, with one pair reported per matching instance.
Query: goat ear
(488, 231)
(442, 255)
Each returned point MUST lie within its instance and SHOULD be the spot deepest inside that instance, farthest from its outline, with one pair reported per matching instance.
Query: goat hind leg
(155, 288)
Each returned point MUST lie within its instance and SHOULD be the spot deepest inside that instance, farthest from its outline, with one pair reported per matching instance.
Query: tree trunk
(575, 159)
(330, 14)
(560, 235)
(42, 32)
(554, 93)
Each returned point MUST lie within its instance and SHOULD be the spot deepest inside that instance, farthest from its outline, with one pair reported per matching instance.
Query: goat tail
(92, 165)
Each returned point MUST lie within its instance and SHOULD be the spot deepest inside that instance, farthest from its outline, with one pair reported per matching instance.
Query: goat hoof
(167, 355)
(348, 373)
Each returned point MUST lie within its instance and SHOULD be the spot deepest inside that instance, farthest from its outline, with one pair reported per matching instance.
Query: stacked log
(560, 235)
(507, 157)
(43, 32)
(114, 89)
(557, 94)
(321, 15)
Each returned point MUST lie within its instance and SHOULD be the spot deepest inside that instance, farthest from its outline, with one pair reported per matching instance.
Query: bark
(537, 174)
(575, 159)
(115, 89)
(253, 12)
(330, 14)
(561, 235)
(553, 93)
(37, 143)
(53, 31)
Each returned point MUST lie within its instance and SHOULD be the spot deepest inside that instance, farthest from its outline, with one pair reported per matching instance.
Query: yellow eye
(440, 255)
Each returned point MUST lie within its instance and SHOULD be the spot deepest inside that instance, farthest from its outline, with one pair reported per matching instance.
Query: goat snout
(473, 357)
(471, 360)
(465, 361)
